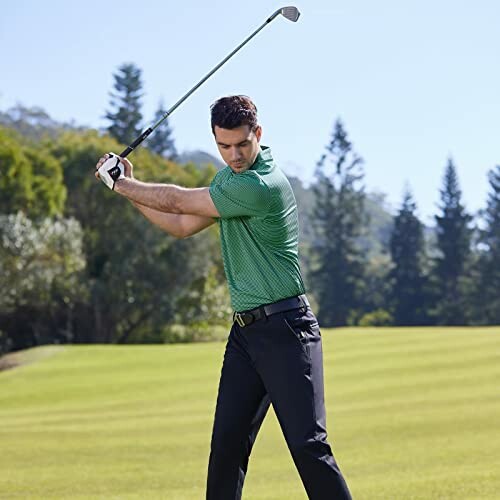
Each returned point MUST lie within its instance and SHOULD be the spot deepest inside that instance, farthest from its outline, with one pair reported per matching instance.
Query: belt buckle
(239, 319)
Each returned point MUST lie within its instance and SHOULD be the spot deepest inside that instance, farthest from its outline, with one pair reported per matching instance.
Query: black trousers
(277, 360)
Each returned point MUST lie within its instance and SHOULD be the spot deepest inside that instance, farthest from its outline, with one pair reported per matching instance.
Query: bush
(378, 317)
(40, 265)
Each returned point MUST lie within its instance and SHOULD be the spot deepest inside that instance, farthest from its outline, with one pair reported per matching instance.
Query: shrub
(378, 317)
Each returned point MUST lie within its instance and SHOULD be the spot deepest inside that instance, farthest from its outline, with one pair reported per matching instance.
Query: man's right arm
(177, 225)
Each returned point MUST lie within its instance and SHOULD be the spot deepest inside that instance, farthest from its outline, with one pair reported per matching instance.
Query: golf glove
(111, 171)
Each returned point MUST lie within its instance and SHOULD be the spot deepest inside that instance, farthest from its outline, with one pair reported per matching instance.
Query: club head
(290, 13)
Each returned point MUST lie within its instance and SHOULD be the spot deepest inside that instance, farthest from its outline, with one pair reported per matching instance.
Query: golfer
(273, 353)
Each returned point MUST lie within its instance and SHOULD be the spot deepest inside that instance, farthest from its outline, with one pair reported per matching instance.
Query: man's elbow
(179, 233)
(187, 234)
(183, 231)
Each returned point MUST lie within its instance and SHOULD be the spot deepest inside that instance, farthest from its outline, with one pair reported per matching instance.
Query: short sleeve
(244, 194)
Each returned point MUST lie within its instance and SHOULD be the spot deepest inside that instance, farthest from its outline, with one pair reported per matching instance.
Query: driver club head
(290, 13)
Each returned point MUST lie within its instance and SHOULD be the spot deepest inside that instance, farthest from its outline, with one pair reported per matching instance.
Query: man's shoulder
(246, 178)
(221, 175)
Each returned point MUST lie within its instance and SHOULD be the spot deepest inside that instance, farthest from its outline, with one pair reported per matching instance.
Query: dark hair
(234, 111)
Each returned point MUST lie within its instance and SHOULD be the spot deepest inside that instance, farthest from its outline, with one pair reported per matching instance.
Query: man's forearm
(165, 198)
(170, 223)
(168, 198)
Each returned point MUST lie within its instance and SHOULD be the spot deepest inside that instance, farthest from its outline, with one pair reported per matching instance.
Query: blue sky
(415, 82)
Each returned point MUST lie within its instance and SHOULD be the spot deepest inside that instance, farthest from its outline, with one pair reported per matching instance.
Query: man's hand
(111, 168)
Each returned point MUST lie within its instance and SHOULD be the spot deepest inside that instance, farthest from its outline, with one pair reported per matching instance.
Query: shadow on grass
(28, 356)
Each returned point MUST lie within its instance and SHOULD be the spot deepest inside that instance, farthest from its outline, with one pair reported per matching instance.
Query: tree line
(81, 265)
(453, 280)
(78, 264)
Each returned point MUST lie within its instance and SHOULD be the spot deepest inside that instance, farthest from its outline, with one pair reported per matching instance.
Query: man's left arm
(168, 198)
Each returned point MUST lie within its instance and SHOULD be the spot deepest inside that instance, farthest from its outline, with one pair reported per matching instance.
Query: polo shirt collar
(265, 156)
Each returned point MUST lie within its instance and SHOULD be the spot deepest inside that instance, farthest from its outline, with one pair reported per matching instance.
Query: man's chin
(238, 168)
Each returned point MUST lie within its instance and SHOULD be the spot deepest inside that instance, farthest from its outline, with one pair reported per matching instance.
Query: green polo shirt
(259, 233)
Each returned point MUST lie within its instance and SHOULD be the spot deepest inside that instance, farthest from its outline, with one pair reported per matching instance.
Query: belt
(246, 318)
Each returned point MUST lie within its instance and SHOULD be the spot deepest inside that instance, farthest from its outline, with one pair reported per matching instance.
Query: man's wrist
(120, 185)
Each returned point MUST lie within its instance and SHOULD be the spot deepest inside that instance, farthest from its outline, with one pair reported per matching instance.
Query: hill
(200, 158)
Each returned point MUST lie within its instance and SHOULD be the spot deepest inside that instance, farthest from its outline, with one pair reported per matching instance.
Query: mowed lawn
(412, 414)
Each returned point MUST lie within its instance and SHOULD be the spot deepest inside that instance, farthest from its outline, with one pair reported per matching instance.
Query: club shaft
(167, 113)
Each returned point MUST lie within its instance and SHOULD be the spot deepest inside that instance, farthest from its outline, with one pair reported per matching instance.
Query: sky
(414, 82)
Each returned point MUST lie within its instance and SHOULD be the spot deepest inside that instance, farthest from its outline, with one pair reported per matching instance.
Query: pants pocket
(300, 334)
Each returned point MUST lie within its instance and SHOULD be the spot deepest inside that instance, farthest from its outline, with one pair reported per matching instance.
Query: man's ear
(258, 132)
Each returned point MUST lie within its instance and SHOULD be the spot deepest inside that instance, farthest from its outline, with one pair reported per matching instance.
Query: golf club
(290, 13)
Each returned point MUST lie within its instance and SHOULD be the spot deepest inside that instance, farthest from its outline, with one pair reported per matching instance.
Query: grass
(412, 414)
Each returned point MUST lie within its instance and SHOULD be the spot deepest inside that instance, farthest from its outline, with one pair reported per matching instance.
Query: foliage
(125, 105)
(161, 141)
(453, 243)
(488, 285)
(378, 317)
(78, 263)
(135, 277)
(374, 240)
(30, 179)
(40, 265)
(376, 290)
(407, 253)
(135, 273)
(339, 221)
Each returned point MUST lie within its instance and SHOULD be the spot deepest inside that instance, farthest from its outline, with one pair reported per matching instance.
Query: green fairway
(412, 414)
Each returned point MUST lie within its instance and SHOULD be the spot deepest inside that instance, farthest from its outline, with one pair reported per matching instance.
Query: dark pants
(275, 360)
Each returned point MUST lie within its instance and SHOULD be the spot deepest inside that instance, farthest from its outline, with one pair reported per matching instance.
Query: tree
(407, 253)
(488, 293)
(135, 273)
(125, 114)
(339, 218)
(31, 179)
(102, 273)
(161, 141)
(40, 265)
(453, 243)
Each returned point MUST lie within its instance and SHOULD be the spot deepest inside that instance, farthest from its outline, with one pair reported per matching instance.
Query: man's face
(238, 147)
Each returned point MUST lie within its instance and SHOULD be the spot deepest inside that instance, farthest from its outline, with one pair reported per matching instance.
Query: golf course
(413, 413)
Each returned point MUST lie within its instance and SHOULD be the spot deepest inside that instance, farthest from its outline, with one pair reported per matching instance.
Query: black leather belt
(246, 318)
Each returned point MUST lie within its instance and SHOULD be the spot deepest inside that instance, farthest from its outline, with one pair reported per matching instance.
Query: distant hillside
(199, 158)
(33, 123)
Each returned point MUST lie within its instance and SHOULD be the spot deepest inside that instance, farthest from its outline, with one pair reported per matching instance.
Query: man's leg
(242, 404)
(292, 371)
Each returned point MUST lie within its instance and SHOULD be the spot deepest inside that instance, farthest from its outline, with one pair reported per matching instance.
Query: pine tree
(453, 242)
(339, 218)
(489, 286)
(125, 114)
(161, 141)
(407, 253)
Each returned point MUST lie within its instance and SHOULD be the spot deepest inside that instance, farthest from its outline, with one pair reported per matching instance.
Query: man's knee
(314, 448)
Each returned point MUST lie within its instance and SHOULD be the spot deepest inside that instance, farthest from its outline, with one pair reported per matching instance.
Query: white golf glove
(111, 171)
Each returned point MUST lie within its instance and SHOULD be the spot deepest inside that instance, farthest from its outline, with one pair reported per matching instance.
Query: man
(273, 354)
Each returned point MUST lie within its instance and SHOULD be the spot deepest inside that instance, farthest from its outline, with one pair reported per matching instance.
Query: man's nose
(236, 154)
